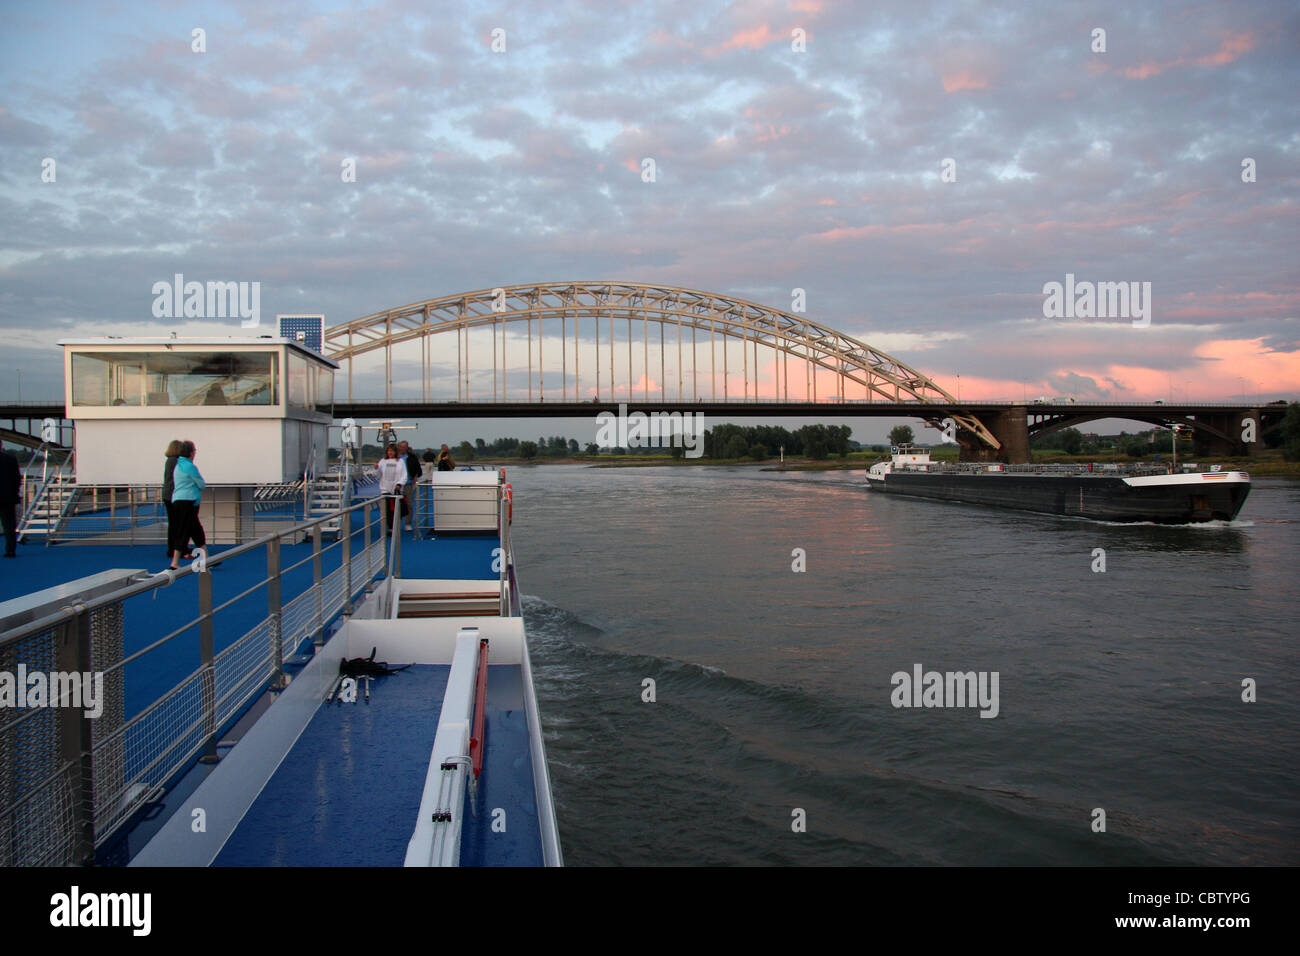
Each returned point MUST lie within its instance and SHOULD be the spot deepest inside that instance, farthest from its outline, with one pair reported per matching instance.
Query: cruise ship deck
(357, 766)
(285, 758)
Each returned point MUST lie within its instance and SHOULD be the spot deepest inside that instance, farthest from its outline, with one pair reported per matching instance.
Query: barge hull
(1102, 498)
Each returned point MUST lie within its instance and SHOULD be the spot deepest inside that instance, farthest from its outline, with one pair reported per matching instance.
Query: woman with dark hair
(169, 468)
(392, 476)
(187, 490)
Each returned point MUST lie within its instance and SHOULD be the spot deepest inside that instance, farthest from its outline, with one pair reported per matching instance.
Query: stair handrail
(394, 569)
(308, 481)
(47, 478)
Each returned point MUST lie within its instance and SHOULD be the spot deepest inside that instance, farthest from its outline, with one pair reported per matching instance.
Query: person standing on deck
(187, 491)
(392, 477)
(11, 483)
(413, 471)
(169, 485)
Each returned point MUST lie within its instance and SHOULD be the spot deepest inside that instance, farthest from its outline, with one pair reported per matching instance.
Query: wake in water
(723, 761)
(1218, 525)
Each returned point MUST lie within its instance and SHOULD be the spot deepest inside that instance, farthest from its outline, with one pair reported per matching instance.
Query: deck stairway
(272, 496)
(329, 493)
(53, 503)
(476, 603)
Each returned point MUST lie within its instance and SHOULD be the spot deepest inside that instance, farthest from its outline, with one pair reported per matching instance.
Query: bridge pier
(1010, 426)
(1233, 424)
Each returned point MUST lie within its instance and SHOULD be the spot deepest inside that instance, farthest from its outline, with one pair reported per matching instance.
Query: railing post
(365, 541)
(317, 623)
(275, 613)
(426, 512)
(74, 656)
(503, 606)
(397, 539)
(208, 674)
(347, 560)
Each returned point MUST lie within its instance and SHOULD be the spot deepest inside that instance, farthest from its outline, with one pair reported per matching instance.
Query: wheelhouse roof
(152, 341)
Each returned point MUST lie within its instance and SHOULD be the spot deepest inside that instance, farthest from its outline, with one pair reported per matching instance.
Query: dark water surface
(1118, 690)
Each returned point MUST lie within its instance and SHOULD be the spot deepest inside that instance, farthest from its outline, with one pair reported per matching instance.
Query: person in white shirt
(392, 476)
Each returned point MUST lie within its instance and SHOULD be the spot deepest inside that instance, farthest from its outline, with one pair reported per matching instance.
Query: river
(773, 735)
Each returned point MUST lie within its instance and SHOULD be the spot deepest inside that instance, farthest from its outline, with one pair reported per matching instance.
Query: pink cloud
(1230, 49)
(1148, 70)
(768, 133)
(963, 80)
(1230, 306)
(753, 38)
(843, 233)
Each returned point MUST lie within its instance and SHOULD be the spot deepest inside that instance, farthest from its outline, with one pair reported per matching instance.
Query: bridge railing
(70, 778)
(635, 401)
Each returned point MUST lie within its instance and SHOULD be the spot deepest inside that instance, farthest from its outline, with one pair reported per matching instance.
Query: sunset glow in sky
(797, 145)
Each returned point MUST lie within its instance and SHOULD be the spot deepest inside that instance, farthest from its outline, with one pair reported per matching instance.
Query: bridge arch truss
(590, 315)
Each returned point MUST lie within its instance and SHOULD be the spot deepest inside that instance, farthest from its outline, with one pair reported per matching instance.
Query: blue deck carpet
(349, 791)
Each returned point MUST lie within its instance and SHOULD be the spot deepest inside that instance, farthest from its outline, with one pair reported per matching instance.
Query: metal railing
(68, 781)
(34, 487)
(116, 514)
(1125, 469)
(134, 514)
(632, 403)
(509, 600)
(308, 481)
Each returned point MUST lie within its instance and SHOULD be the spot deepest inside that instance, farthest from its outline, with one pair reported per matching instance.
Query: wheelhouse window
(174, 378)
(298, 381)
(325, 390)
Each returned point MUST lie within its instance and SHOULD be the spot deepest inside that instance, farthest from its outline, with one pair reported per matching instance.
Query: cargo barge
(1105, 493)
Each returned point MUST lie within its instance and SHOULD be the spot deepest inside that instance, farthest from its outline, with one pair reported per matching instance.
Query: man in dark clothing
(413, 470)
(10, 486)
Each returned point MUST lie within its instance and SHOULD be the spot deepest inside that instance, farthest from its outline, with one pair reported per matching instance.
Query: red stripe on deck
(480, 699)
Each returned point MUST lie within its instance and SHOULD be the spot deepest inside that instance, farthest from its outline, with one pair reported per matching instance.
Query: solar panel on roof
(311, 327)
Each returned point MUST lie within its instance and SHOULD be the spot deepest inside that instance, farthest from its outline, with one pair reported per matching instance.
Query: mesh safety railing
(68, 781)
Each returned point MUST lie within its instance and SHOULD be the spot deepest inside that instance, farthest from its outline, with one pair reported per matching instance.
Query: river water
(773, 737)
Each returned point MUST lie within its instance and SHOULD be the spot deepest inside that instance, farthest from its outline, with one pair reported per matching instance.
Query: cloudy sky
(796, 144)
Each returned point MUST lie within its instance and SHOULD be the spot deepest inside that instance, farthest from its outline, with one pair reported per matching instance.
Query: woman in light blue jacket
(187, 490)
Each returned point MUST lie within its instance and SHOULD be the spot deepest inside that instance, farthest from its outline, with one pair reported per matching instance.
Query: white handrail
(436, 838)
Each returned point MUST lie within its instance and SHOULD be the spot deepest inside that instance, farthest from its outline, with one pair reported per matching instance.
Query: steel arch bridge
(580, 309)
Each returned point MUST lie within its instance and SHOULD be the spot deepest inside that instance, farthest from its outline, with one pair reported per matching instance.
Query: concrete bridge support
(1010, 426)
(1237, 425)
